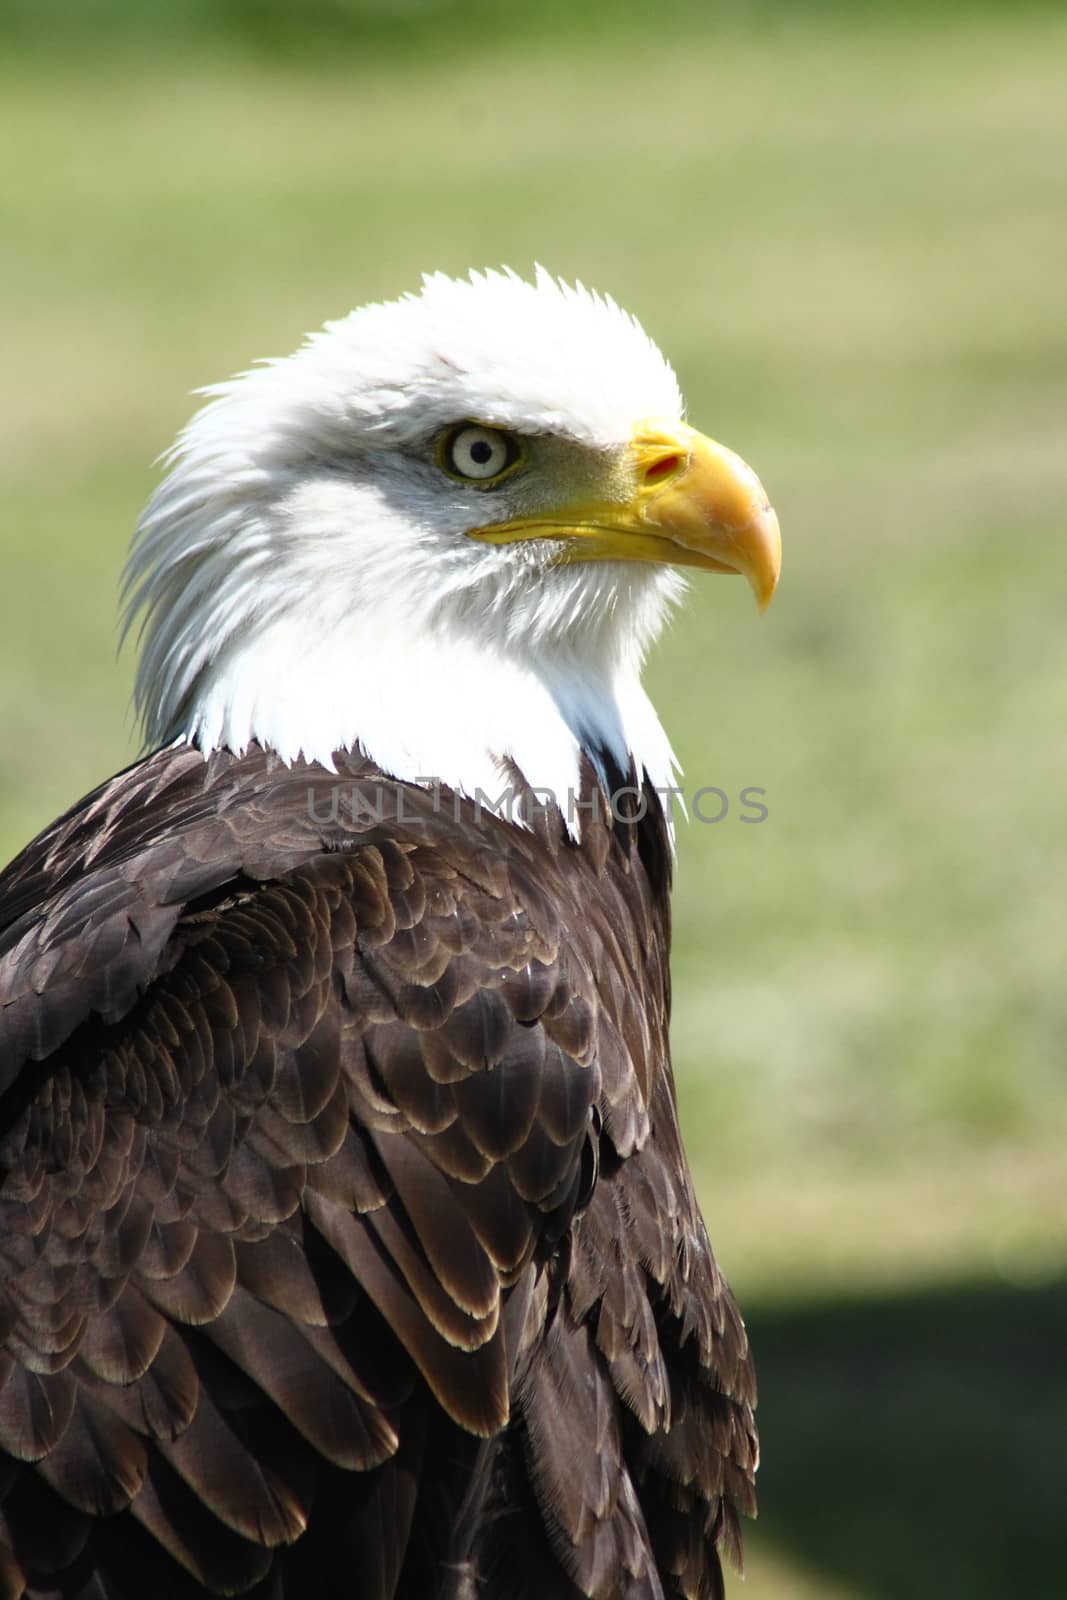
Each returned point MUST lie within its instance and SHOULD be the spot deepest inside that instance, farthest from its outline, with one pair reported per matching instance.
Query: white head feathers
(304, 574)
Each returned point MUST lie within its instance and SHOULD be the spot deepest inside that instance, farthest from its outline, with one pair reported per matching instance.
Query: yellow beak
(686, 501)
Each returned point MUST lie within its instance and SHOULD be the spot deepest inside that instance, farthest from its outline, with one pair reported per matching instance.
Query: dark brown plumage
(348, 1243)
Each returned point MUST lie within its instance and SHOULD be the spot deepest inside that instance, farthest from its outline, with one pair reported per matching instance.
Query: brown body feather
(347, 1242)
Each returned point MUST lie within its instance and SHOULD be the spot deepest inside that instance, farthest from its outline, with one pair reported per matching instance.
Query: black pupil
(481, 452)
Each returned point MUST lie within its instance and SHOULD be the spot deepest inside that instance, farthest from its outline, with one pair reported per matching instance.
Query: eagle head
(445, 530)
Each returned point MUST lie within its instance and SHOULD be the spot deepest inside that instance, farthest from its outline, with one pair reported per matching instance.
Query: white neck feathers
(426, 708)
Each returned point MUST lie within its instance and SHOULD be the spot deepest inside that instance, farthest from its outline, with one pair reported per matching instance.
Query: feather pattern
(344, 1214)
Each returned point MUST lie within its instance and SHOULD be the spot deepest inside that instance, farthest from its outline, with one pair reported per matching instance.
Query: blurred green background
(848, 228)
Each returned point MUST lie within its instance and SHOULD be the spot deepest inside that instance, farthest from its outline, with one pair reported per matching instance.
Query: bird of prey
(348, 1243)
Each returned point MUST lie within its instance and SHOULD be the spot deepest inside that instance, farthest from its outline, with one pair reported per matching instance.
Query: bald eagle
(348, 1242)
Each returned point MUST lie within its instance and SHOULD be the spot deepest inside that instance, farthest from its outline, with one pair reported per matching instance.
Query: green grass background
(848, 228)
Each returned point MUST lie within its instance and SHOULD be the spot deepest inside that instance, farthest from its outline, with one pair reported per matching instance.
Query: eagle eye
(478, 455)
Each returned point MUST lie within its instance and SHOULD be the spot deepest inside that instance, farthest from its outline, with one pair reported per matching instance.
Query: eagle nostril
(665, 467)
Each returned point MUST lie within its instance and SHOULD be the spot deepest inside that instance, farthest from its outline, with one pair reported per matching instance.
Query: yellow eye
(478, 455)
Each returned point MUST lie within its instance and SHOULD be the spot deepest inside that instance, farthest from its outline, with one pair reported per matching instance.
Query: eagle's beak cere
(687, 502)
